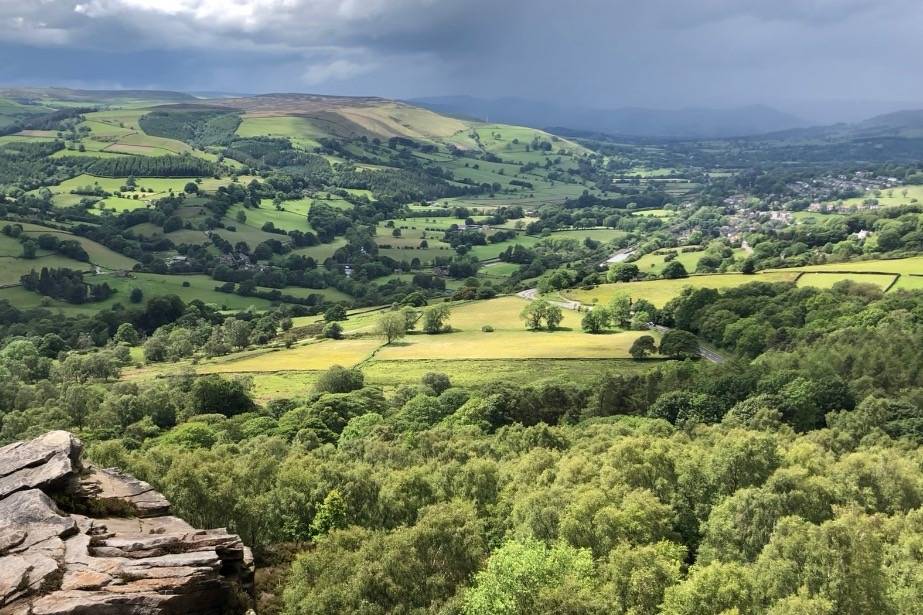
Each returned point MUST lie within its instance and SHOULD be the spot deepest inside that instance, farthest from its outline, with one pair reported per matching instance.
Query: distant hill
(902, 124)
(92, 96)
(629, 121)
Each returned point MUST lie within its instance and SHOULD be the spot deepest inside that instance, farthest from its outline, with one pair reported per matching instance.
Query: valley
(403, 353)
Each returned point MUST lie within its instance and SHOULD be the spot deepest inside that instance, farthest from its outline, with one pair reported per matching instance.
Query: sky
(813, 57)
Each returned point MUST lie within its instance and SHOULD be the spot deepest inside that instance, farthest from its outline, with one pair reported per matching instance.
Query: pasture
(98, 253)
(146, 191)
(827, 280)
(902, 266)
(879, 272)
(659, 292)
(468, 355)
(889, 197)
(654, 262)
(303, 131)
(509, 339)
(313, 356)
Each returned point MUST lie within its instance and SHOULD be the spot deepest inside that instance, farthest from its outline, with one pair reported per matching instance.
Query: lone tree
(596, 320)
(392, 326)
(620, 310)
(541, 311)
(642, 347)
(435, 318)
(674, 270)
(334, 313)
(623, 272)
(679, 344)
(333, 331)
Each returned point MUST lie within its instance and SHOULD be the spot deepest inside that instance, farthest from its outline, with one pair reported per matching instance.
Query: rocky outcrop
(75, 539)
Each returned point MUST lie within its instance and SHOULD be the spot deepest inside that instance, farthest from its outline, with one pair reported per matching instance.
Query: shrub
(339, 379)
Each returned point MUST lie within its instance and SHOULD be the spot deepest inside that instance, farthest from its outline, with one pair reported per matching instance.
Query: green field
(13, 268)
(147, 190)
(199, 287)
(655, 213)
(471, 357)
(659, 292)
(99, 254)
(654, 262)
(256, 218)
(879, 272)
(827, 280)
(303, 131)
(903, 266)
(307, 357)
(116, 132)
(890, 197)
(509, 339)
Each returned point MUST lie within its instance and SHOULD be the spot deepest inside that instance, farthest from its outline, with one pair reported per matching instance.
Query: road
(706, 353)
(531, 294)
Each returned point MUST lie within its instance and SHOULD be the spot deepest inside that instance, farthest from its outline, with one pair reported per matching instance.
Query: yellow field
(827, 280)
(659, 292)
(309, 357)
(521, 344)
(913, 265)
(510, 339)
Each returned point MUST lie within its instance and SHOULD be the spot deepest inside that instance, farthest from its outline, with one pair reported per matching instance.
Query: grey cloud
(666, 53)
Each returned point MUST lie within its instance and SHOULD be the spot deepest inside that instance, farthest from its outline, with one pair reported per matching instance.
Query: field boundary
(893, 282)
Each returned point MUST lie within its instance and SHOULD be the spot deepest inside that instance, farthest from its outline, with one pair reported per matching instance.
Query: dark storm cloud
(666, 53)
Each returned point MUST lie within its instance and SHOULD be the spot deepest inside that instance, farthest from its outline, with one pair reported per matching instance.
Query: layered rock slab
(58, 562)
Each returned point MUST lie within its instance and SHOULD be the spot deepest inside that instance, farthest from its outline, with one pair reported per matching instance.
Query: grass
(659, 292)
(12, 269)
(655, 213)
(268, 386)
(903, 266)
(906, 282)
(486, 373)
(256, 218)
(323, 251)
(827, 280)
(302, 130)
(148, 190)
(307, 357)
(654, 262)
(199, 287)
(510, 339)
(520, 344)
(10, 246)
(880, 272)
(99, 254)
(498, 270)
(888, 197)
